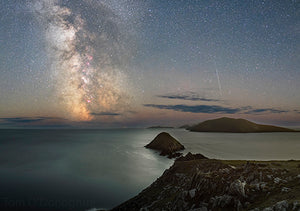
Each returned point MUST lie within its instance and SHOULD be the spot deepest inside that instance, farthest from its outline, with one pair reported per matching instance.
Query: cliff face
(235, 126)
(165, 143)
(195, 182)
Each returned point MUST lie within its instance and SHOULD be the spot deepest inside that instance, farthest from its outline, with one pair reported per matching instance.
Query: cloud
(192, 96)
(22, 119)
(105, 114)
(33, 122)
(264, 110)
(209, 109)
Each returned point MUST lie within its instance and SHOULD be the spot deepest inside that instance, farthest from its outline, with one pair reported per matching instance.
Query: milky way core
(85, 47)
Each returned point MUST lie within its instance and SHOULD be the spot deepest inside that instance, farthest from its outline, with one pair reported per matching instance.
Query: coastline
(133, 159)
(195, 183)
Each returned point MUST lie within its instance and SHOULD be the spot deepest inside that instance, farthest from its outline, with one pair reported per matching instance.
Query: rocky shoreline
(197, 183)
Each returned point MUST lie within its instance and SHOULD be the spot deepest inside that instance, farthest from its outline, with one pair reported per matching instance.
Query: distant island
(166, 144)
(184, 126)
(159, 127)
(230, 125)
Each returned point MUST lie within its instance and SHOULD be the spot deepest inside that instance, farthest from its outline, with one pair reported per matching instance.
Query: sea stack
(165, 143)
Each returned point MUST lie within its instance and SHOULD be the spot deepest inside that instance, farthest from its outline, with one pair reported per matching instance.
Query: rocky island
(231, 125)
(195, 182)
(166, 144)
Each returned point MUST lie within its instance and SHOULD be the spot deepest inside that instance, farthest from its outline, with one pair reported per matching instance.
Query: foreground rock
(194, 182)
(235, 126)
(165, 143)
(189, 156)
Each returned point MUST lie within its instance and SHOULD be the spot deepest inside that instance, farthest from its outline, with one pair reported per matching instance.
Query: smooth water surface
(81, 169)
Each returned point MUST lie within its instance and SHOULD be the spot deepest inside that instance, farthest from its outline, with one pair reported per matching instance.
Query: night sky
(118, 63)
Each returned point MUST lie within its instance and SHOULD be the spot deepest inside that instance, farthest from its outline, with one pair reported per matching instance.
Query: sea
(68, 169)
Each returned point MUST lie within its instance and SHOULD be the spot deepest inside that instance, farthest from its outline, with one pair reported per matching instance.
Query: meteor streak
(219, 83)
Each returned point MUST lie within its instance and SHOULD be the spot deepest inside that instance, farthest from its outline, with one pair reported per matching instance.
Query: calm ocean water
(81, 169)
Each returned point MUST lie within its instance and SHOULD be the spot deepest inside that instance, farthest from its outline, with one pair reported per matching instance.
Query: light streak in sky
(219, 83)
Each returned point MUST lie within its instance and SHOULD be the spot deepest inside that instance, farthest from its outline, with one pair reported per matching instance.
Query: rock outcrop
(231, 125)
(189, 156)
(166, 144)
(194, 182)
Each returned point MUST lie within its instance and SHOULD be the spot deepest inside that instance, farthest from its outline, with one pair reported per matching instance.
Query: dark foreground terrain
(196, 183)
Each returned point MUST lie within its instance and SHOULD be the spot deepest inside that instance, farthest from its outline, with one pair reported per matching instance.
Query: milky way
(86, 49)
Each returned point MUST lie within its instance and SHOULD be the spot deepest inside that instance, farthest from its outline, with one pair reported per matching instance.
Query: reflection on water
(80, 169)
(247, 146)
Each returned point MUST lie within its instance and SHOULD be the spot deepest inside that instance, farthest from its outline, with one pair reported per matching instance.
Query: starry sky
(127, 63)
